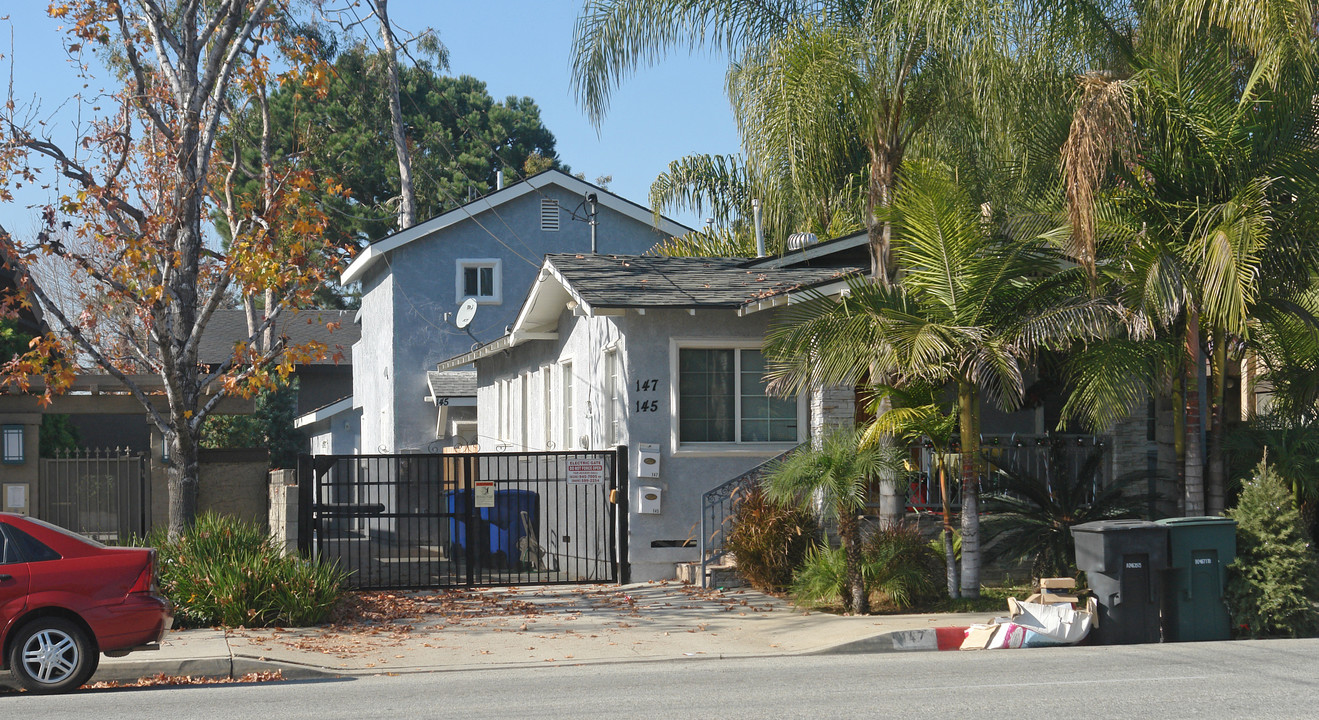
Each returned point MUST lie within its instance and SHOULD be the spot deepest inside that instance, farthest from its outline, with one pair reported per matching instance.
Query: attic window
(549, 215)
(479, 278)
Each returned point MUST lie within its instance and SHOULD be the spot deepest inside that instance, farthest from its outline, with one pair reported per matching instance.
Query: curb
(923, 639)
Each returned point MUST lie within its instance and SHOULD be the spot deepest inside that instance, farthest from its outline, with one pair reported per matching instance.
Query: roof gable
(378, 249)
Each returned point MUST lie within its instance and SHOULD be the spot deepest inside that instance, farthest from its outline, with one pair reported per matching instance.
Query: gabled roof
(453, 383)
(334, 328)
(612, 284)
(378, 249)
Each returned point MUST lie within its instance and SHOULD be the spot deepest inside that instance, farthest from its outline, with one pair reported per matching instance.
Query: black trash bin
(1124, 561)
(1199, 549)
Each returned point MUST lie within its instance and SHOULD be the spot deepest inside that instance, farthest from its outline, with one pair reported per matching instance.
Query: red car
(64, 599)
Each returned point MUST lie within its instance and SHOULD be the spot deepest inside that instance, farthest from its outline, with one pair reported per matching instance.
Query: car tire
(52, 655)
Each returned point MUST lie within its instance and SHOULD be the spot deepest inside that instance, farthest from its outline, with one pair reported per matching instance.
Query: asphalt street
(1254, 679)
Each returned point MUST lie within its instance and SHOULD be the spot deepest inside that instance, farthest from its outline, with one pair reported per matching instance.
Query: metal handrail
(717, 507)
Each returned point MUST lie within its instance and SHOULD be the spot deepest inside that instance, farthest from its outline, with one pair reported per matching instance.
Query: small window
(479, 279)
(13, 444)
(549, 215)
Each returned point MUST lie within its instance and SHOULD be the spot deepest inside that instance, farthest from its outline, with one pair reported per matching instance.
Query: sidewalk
(509, 627)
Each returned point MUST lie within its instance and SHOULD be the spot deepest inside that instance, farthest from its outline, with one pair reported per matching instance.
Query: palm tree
(835, 480)
(812, 82)
(1209, 215)
(973, 305)
(933, 422)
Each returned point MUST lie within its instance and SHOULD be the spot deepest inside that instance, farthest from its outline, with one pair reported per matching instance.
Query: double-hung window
(722, 399)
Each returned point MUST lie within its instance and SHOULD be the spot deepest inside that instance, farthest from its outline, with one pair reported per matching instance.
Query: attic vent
(549, 215)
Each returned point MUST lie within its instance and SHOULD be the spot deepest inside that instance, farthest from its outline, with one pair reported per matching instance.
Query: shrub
(900, 565)
(225, 571)
(1271, 584)
(896, 563)
(768, 540)
(822, 577)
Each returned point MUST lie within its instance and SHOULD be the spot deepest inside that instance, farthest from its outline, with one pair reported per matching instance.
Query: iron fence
(104, 494)
(463, 519)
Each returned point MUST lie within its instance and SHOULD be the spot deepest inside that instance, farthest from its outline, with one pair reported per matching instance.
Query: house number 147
(647, 386)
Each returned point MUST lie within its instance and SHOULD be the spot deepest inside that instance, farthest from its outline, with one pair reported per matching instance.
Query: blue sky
(518, 47)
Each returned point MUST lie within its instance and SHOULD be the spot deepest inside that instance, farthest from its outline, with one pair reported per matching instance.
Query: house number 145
(647, 386)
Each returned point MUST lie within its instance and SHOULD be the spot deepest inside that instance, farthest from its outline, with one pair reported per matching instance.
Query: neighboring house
(489, 250)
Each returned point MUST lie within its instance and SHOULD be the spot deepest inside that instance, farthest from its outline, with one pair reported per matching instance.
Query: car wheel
(52, 655)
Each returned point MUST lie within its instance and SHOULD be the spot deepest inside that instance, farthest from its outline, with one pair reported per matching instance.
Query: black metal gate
(470, 519)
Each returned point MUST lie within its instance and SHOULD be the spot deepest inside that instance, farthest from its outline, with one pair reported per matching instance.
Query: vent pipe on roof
(760, 230)
(499, 179)
(591, 201)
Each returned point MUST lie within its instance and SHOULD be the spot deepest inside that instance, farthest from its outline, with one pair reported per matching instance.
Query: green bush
(225, 571)
(902, 566)
(768, 540)
(1274, 580)
(896, 563)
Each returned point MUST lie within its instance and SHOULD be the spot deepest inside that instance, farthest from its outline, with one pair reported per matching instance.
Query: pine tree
(1271, 585)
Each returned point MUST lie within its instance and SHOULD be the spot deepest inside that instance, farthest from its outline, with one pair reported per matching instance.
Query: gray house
(413, 282)
(661, 354)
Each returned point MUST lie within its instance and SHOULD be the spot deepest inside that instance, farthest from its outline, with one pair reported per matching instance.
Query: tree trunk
(183, 474)
(883, 163)
(407, 209)
(854, 599)
(1179, 435)
(891, 508)
(1216, 481)
(1195, 488)
(968, 405)
(949, 551)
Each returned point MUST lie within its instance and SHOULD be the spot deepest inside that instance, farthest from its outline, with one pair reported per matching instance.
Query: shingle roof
(452, 383)
(229, 327)
(631, 281)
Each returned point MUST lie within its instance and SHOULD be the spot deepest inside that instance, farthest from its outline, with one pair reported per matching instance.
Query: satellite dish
(466, 312)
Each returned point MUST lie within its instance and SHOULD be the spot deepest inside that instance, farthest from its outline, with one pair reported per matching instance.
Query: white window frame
(566, 401)
(547, 409)
(524, 438)
(615, 396)
(725, 448)
(460, 281)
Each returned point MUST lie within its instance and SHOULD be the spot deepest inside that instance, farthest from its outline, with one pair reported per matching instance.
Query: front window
(722, 399)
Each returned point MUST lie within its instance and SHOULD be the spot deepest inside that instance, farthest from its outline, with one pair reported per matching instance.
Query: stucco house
(414, 281)
(660, 354)
(663, 355)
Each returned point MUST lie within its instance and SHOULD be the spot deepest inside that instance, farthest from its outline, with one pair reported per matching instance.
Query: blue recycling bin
(456, 504)
(495, 530)
(506, 527)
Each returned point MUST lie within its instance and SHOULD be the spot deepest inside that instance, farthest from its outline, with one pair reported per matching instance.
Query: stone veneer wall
(283, 518)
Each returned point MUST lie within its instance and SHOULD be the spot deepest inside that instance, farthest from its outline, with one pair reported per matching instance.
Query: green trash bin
(1199, 551)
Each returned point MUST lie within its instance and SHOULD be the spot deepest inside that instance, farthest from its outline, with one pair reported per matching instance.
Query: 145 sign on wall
(645, 403)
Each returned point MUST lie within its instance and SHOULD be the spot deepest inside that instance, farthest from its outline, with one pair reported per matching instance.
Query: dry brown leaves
(165, 680)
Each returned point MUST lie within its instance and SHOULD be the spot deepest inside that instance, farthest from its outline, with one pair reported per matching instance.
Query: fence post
(622, 565)
(306, 478)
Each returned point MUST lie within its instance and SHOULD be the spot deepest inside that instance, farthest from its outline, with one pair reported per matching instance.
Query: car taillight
(146, 581)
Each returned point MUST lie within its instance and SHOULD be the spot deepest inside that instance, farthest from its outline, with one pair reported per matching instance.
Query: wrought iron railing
(1026, 454)
(718, 506)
